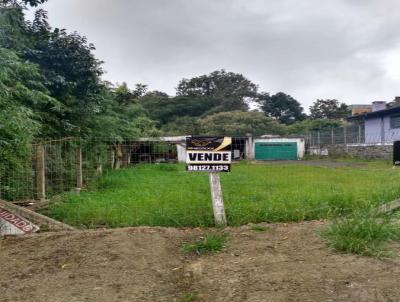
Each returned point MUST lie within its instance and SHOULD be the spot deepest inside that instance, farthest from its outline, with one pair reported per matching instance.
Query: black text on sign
(204, 157)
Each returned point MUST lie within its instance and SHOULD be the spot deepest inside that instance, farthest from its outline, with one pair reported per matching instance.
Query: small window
(395, 121)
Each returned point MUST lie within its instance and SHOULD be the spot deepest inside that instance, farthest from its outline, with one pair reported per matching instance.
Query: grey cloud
(310, 49)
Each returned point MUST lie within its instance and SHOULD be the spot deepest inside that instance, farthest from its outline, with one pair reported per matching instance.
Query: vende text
(208, 157)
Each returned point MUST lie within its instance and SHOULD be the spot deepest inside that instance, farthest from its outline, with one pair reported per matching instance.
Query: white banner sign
(11, 224)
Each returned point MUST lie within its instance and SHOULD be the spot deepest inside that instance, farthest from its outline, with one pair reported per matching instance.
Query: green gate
(276, 151)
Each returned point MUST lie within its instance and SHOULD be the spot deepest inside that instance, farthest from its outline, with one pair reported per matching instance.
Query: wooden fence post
(40, 172)
(118, 157)
(79, 174)
(99, 168)
(217, 199)
(112, 158)
(125, 153)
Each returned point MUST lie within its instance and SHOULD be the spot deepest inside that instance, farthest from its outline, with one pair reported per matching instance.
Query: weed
(362, 234)
(259, 228)
(208, 244)
(189, 297)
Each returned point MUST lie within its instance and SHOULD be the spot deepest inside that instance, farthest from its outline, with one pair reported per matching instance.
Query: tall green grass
(167, 195)
(362, 234)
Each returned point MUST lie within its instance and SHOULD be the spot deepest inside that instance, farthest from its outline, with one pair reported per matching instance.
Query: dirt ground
(288, 262)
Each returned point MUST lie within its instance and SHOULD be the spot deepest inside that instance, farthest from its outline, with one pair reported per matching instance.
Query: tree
(74, 100)
(13, 29)
(124, 95)
(240, 123)
(21, 86)
(71, 71)
(140, 90)
(20, 93)
(156, 93)
(308, 125)
(230, 90)
(185, 125)
(17, 3)
(165, 109)
(282, 107)
(34, 2)
(329, 109)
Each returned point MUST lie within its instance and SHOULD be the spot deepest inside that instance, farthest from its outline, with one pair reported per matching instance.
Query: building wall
(181, 151)
(377, 130)
(373, 130)
(391, 135)
(357, 111)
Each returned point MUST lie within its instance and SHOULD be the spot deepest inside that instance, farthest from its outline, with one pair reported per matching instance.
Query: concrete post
(217, 199)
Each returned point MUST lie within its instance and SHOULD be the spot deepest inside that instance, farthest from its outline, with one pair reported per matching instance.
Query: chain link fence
(350, 134)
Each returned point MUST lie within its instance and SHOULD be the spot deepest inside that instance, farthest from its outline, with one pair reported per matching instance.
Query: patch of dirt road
(288, 262)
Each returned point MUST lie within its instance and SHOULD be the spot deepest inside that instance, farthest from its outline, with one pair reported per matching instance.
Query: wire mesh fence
(113, 183)
(349, 134)
(57, 166)
(371, 134)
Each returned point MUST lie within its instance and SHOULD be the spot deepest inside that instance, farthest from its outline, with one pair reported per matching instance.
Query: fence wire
(143, 181)
(352, 134)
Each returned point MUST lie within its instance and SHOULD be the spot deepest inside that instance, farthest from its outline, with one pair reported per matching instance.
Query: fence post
(112, 158)
(332, 137)
(79, 175)
(217, 199)
(125, 153)
(319, 138)
(359, 134)
(345, 138)
(99, 168)
(40, 168)
(118, 156)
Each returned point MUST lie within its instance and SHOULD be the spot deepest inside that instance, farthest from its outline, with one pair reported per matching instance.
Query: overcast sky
(344, 49)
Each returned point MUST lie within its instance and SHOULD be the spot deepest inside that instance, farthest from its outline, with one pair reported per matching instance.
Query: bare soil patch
(288, 262)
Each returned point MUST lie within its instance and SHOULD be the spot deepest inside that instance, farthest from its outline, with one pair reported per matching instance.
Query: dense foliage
(240, 123)
(329, 109)
(282, 107)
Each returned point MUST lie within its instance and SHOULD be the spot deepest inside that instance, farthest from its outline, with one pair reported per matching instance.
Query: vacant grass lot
(167, 195)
